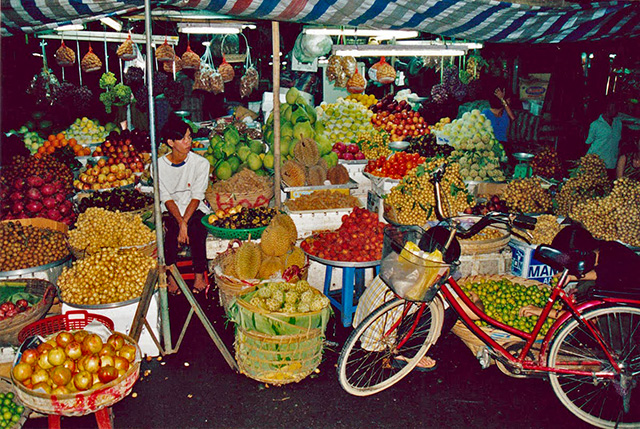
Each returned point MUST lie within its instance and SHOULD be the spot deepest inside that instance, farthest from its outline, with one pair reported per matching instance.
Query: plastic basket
(409, 270)
(230, 234)
(72, 320)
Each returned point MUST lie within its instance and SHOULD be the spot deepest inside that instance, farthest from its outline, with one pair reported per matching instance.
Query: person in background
(615, 269)
(628, 164)
(500, 114)
(604, 136)
(183, 180)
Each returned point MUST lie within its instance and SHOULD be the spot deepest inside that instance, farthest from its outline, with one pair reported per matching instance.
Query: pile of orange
(55, 141)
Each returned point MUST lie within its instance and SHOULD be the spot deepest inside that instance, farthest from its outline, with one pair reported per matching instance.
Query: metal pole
(157, 212)
(275, 35)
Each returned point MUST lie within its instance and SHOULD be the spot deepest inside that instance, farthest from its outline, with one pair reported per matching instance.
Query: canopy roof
(479, 20)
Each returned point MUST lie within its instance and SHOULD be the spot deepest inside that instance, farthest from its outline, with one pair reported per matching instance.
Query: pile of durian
(283, 297)
(308, 168)
(272, 256)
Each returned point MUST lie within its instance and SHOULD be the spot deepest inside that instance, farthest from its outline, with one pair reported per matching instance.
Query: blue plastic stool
(345, 299)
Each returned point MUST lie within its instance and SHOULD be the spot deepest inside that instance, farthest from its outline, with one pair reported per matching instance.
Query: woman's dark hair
(495, 102)
(574, 238)
(174, 129)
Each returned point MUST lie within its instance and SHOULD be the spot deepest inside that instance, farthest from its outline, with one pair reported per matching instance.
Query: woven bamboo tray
(477, 247)
(501, 337)
(11, 327)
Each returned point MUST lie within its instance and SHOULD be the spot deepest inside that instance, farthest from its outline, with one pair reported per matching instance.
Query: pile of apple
(348, 151)
(398, 119)
(72, 362)
(120, 148)
(9, 309)
(359, 239)
(102, 175)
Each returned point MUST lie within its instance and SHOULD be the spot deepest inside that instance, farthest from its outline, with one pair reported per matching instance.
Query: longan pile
(485, 234)
(413, 199)
(97, 228)
(614, 217)
(28, 246)
(374, 144)
(527, 196)
(588, 180)
(546, 228)
(109, 275)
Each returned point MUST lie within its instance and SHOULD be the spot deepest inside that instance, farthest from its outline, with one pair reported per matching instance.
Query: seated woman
(628, 164)
(616, 266)
(183, 180)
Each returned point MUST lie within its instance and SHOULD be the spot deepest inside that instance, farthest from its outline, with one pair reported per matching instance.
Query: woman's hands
(499, 92)
(529, 310)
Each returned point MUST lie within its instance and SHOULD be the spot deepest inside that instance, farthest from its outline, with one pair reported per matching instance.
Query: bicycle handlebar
(509, 219)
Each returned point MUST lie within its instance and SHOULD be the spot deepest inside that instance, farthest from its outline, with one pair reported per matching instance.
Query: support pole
(157, 211)
(275, 34)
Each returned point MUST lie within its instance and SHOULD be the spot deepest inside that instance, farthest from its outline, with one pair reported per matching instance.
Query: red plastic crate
(72, 320)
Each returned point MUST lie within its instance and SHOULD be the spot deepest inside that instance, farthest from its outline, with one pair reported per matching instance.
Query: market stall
(303, 192)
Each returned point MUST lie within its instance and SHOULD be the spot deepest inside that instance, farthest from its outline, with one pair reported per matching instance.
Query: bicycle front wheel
(397, 328)
(600, 401)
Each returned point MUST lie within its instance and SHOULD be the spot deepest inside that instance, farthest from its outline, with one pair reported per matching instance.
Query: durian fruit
(338, 175)
(293, 174)
(228, 266)
(287, 223)
(247, 260)
(316, 176)
(323, 163)
(306, 152)
(269, 266)
(295, 257)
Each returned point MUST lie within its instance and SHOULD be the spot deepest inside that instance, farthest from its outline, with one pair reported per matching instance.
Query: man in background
(604, 136)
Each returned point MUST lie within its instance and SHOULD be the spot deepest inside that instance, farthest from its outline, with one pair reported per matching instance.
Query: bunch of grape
(413, 199)
(528, 196)
(589, 180)
(374, 144)
(134, 77)
(615, 216)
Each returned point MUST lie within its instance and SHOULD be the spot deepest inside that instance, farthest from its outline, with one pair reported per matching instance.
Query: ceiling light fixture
(213, 28)
(461, 45)
(70, 27)
(116, 25)
(396, 51)
(356, 32)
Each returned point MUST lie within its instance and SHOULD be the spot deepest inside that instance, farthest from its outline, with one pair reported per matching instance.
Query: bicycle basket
(407, 269)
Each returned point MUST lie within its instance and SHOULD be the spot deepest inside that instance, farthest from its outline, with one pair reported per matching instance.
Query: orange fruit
(51, 149)
(72, 142)
(42, 149)
(51, 138)
(65, 142)
(60, 136)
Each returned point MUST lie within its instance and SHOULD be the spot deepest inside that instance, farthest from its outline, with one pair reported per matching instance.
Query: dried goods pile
(322, 200)
(106, 276)
(502, 299)
(615, 216)
(99, 228)
(588, 180)
(528, 196)
(245, 181)
(28, 246)
(413, 199)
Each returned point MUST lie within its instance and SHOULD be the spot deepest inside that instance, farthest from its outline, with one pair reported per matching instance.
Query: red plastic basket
(76, 319)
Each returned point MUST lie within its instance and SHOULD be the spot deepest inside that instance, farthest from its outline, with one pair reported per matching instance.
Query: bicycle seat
(578, 263)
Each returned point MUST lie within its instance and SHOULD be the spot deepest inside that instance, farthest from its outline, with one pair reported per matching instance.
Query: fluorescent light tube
(461, 45)
(116, 25)
(395, 51)
(70, 27)
(355, 32)
(193, 28)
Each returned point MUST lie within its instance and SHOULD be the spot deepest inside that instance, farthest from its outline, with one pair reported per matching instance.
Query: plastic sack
(315, 46)
(65, 56)
(349, 65)
(333, 67)
(127, 51)
(299, 53)
(226, 71)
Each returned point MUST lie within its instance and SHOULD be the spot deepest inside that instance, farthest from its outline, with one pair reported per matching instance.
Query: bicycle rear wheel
(396, 328)
(600, 401)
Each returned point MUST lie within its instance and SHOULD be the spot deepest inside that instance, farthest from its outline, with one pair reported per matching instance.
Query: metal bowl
(183, 113)
(398, 145)
(523, 156)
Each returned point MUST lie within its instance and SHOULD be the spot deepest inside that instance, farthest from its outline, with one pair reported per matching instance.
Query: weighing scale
(398, 146)
(523, 169)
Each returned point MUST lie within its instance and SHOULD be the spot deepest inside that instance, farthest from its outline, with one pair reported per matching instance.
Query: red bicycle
(591, 353)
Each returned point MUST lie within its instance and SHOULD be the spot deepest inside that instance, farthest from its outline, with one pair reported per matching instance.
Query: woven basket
(7, 387)
(230, 287)
(501, 337)
(86, 402)
(11, 327)
(149, 249)
(225, 201)
(477, 247)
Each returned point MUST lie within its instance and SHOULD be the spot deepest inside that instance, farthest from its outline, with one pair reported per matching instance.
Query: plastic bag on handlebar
(525, 222)
(435, 238)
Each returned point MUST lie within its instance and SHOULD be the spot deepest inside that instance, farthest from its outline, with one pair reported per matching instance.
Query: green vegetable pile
(115, 93)
(10, 412)
(503, 299)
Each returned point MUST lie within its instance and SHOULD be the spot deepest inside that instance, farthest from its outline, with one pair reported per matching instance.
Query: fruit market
(340, 193)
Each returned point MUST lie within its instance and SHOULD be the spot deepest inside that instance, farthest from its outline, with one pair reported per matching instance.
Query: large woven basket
(11, 327)
(478, 247)
(230, 287)
(501, 337)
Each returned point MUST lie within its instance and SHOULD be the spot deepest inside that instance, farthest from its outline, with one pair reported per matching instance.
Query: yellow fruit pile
(364, 99)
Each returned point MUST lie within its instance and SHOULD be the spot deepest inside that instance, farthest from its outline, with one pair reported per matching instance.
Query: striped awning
(479, 20)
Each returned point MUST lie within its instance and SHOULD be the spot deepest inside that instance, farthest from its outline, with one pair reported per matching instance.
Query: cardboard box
(534, 87)
(523, 264)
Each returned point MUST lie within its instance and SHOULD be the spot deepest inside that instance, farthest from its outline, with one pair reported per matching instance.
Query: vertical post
(157, 212)
(79, 61)
(275, 34)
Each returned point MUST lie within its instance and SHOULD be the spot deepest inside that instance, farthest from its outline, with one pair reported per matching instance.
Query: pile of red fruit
(359, 239)
(396, 166)
(32, 187)
(348, 151)
(398, 119)
(9, 309)
(74, 361)
(120, 148)
(493, 204)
